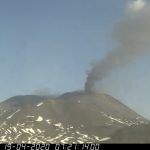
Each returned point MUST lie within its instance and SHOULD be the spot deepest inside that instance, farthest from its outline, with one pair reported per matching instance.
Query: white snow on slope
(81, 134)
(39, 119)
(55, 138)
(39, 131)
(28, 130)
(3, 138)
(103, 139)
(116, 119)
(13, 114)
(14, 129)
(125, 121)
(80, 142)
(59, 125)
(20, 124)
(38, 105)
(48, 121)
(30, 116)
(66, 140)
(71, 127)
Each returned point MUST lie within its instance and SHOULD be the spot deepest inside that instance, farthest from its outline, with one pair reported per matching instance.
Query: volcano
(74, 117)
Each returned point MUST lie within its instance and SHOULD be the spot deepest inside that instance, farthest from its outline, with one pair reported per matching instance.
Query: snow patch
(57, 137)
(30, 116)
(103, 139)
(17, 136)
(71, 127)
(80, 142)
(13, 114)
(8, 130)
(14, 129)
(38, 105)
(28, 130)
(39, 119)
(59, 125)
(66, 140)
(116, 119)
(48, 121)
(20, 124)
(3, 138)
(39, 130)
(81, 134)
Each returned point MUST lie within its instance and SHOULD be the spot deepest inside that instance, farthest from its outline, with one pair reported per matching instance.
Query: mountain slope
(73, 117)
(132, 134)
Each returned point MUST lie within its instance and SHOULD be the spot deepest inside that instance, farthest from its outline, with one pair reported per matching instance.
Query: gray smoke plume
(133, 37)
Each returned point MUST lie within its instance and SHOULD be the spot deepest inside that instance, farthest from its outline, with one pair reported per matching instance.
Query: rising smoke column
(133, 37)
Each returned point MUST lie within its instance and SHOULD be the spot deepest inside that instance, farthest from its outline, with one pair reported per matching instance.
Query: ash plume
(133, 37)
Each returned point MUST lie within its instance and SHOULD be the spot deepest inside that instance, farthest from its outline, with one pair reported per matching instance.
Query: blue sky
(50, 44)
